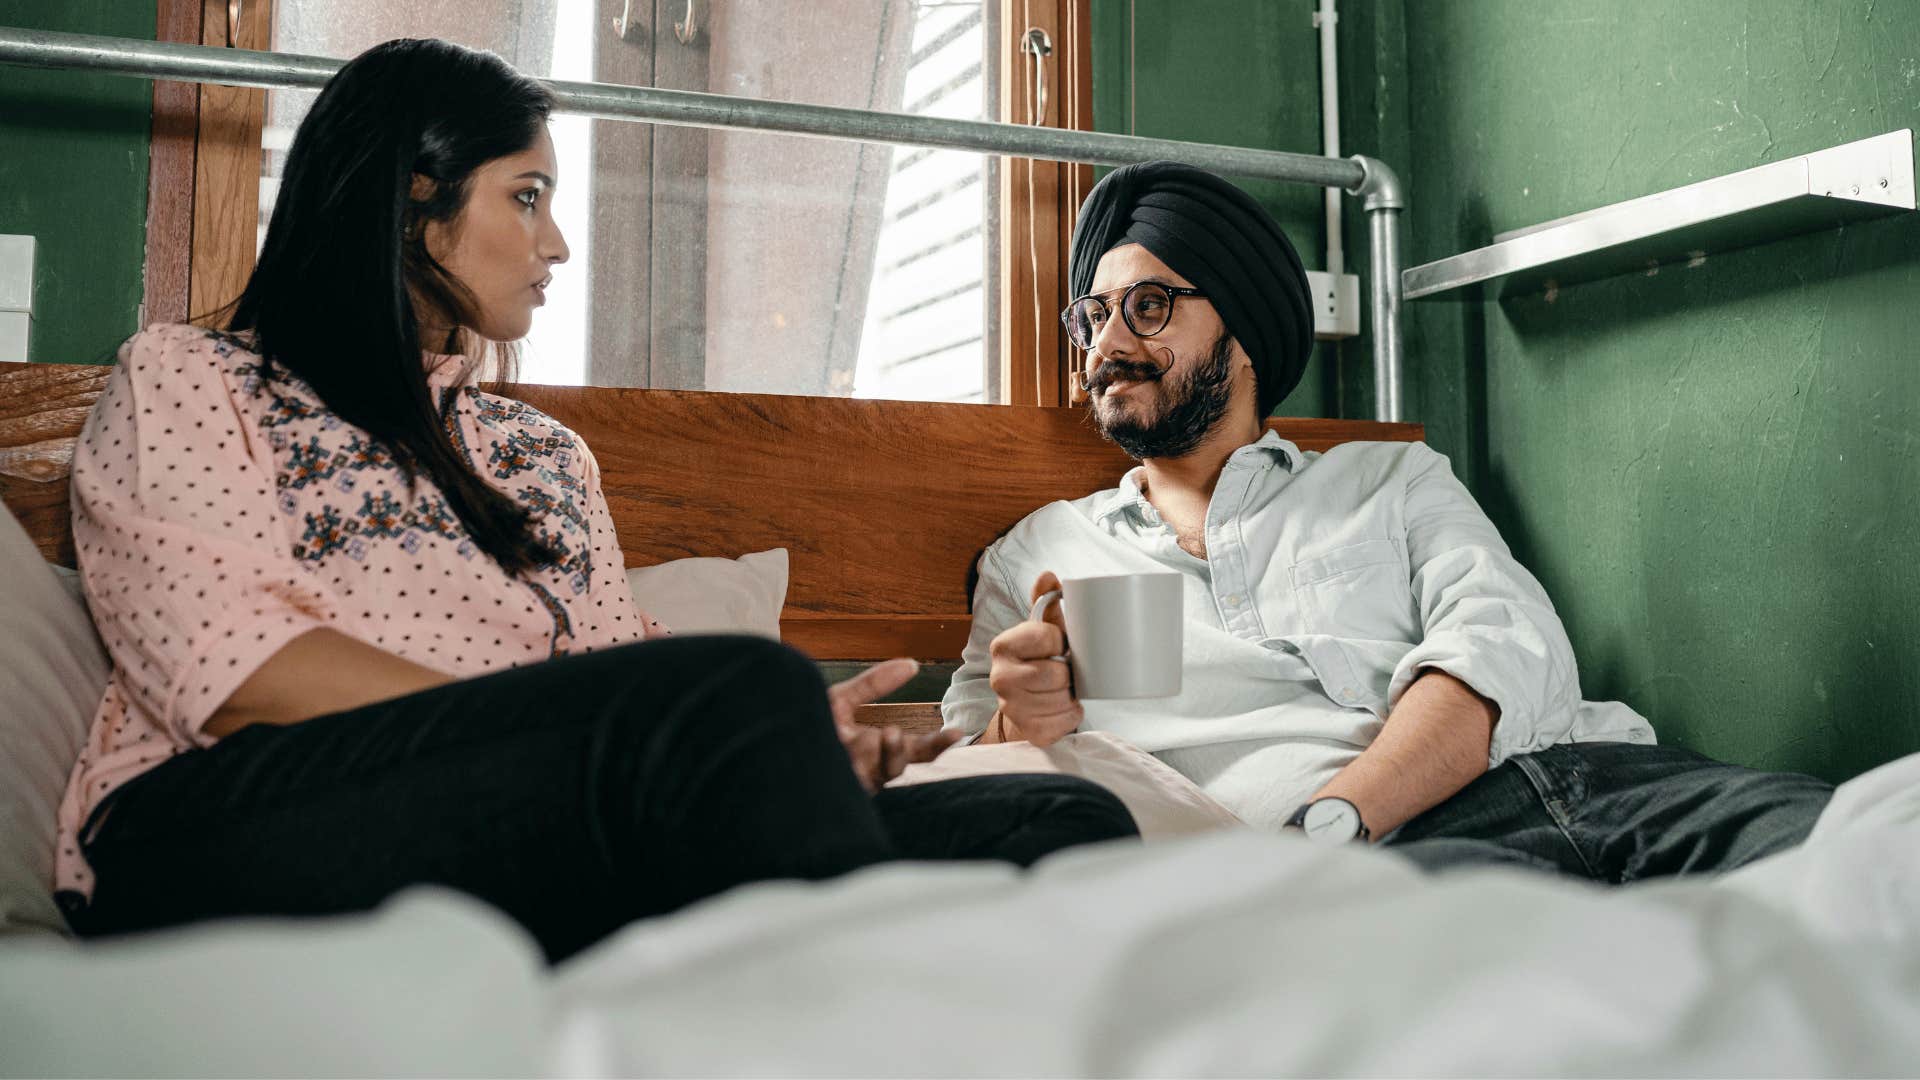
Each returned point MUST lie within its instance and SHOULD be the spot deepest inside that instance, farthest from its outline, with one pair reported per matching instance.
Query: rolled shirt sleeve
(614, 605)
(969, 702)
(186, 564)
(1487, 621)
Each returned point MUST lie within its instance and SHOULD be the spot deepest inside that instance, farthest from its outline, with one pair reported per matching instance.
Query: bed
(1229, 952)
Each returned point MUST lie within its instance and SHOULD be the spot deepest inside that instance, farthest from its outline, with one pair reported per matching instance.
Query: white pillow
(715, 596)
(1163, 802)
(53, 671)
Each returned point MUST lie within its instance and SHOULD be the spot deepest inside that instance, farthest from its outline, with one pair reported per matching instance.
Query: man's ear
(1243, 369)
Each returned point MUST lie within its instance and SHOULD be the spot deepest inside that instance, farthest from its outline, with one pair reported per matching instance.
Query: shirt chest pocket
(1358, 591)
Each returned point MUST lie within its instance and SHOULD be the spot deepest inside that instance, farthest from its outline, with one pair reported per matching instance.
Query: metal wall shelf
(1869, 178)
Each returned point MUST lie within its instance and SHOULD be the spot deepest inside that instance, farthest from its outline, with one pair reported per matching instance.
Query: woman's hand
(881, 753)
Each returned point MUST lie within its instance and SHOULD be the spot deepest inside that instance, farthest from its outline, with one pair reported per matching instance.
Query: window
(720, 260)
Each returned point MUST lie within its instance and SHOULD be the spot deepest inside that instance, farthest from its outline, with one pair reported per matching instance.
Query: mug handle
(1039, 612)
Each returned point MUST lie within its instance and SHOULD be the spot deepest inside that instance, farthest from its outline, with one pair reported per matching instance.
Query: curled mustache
(1113, 371)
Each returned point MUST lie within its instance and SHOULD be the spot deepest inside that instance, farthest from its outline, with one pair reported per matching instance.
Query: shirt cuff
(1524, 724)
(226, 656)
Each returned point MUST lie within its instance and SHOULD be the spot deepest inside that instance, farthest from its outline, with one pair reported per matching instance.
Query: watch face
(1332, 820)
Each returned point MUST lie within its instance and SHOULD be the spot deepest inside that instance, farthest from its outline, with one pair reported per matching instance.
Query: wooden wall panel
(42, 407)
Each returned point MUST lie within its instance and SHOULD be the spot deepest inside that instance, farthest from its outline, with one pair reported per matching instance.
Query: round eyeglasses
(1147, 306)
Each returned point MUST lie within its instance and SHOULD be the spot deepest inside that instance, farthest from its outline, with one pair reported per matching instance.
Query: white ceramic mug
(1123, 634)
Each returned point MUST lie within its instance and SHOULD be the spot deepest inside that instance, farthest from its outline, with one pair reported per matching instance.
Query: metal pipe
(1367, 178)
(1383, 235)
(1382, 197)
(240, 67)
(1327, 20)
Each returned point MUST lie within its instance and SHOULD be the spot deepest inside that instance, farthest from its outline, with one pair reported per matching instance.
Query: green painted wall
(73, 173)
(1237, 72)
(1713, 470)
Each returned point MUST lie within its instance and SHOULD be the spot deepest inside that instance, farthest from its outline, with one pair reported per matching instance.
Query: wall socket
(16, 297)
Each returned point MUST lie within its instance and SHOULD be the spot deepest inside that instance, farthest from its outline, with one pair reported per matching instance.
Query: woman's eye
(529, 198)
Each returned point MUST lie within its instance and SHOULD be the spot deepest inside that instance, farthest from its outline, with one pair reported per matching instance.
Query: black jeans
(576, 795)
(1616, 813)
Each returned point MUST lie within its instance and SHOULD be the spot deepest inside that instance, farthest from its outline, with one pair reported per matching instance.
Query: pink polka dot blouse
(221, 510)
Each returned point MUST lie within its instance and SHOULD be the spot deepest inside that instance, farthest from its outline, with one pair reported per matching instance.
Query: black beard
(1196, 406)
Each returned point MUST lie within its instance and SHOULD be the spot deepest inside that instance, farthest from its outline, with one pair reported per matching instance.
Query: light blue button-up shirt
(1331, 580)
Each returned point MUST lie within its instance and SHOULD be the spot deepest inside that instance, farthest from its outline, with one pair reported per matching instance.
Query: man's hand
(881, 753)
(1034, 688)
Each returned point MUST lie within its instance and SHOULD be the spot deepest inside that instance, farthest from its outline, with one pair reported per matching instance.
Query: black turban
(1214, 235)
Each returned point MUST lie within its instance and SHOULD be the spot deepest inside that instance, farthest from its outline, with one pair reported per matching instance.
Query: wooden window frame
(204, 185)
(203, 178)
(1039, 199)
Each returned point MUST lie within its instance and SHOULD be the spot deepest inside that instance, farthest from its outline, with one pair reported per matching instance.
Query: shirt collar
(1272, 447)
(1269, 448)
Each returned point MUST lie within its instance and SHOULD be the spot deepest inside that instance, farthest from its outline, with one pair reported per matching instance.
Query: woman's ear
(419, 193)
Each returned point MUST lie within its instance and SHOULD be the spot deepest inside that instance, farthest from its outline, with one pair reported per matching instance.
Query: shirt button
(1235, 600)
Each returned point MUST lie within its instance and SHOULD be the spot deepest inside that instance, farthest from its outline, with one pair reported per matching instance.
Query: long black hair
(332, 296)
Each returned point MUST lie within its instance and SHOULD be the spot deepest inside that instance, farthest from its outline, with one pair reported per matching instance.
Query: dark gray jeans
(1615, 813)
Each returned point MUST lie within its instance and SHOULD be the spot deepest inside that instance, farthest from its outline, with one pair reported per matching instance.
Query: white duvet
(1231, 953)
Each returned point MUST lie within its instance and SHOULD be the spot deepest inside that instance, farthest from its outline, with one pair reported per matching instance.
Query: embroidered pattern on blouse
(348, 518)
(523, 441)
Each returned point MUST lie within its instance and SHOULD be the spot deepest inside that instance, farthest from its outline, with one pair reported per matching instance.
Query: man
(1364, 658)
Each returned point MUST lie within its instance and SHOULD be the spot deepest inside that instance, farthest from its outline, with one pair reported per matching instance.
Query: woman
(370, 624)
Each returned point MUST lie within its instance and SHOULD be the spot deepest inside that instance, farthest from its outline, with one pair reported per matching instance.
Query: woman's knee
(765, 676)
(1017, 818)
(1097, 813)
(724, 690)
(1074, 810)
(720, 669)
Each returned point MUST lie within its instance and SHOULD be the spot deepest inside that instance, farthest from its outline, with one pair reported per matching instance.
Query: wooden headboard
(883, 505)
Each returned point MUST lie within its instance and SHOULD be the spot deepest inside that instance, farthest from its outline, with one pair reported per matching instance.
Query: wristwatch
(1331, 820)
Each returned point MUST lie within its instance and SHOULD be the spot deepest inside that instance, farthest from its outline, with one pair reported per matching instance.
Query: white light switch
(16, 333)
(16, 273)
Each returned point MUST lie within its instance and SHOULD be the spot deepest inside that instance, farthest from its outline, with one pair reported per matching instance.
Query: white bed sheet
(1240, 953)
(1229, 954)
(432, 984)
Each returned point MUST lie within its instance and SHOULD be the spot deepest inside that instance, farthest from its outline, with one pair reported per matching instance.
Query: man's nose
(1114, 341)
